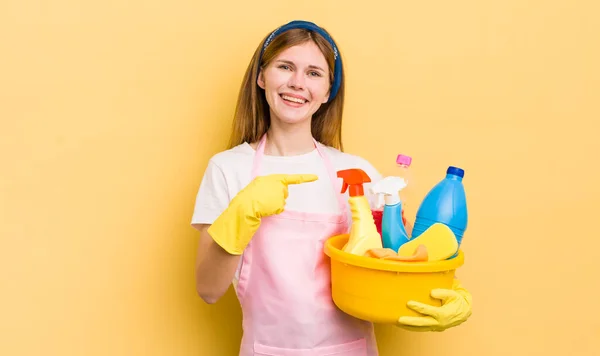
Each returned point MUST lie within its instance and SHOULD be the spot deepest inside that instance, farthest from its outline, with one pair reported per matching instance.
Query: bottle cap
(353, 180)
(403, 159)
(455, 171)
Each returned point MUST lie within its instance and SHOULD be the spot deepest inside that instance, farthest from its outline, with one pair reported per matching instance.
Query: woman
(267, 204)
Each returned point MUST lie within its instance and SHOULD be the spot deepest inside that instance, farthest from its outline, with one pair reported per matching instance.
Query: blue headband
(337, 70)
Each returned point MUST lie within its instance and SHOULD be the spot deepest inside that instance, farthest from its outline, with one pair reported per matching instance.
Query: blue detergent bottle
(445, 203)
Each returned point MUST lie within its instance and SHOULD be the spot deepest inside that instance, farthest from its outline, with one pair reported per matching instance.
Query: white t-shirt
(230, 171)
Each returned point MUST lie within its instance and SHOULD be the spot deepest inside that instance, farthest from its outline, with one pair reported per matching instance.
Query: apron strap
(260, 152)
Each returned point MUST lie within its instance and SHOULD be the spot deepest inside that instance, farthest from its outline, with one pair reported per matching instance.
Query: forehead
(305, 54)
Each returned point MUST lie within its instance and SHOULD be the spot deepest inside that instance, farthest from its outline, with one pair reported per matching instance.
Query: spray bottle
(393, 233)
(363, 232)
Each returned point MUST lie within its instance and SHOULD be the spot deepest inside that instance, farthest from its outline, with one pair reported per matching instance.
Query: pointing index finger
(299, 178)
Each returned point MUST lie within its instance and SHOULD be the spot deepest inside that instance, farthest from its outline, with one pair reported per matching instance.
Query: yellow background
(110, 110)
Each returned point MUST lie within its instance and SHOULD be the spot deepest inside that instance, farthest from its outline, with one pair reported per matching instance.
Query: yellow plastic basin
(377, 290)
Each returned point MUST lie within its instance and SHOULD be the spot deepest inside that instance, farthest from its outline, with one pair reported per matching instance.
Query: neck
(289, 140)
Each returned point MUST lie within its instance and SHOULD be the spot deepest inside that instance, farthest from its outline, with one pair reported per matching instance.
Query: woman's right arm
(215, 268)
(223, 242)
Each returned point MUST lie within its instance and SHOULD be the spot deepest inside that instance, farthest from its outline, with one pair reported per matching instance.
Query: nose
(297, 80)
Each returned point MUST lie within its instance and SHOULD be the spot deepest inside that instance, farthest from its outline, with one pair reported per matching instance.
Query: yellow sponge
(439, 240)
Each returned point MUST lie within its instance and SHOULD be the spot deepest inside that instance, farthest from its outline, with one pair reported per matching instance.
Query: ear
(326, 99)
(260, 80)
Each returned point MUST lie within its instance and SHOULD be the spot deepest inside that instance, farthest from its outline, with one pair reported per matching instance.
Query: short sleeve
(213, 196)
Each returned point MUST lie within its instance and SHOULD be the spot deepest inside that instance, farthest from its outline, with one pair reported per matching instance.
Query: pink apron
(284, 286)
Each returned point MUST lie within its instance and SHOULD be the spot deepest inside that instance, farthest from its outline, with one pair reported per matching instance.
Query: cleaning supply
(363, 232)
(403, 163)
(439, 241)
(377, 218)
(264, 196)
(445, 203)
(420, 255)
(393, 233)
(378, 290)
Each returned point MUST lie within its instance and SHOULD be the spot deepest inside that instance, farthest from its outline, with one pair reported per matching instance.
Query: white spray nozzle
(388, 188)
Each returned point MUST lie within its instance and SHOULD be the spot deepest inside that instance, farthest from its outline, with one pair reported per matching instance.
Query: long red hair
(252, 118)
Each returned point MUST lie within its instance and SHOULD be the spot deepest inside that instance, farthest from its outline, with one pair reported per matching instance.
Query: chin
(298, 118)
(292, 121)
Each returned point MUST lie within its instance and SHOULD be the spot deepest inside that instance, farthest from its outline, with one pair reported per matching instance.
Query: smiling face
(296, 83)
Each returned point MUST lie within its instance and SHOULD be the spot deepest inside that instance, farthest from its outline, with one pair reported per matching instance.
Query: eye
(315, 74)
(284, 67)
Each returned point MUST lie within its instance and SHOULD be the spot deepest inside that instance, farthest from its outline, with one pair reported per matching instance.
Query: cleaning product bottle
(445, 203)
(377, 217)
(363, 233)
(393, 233)
(403, 163)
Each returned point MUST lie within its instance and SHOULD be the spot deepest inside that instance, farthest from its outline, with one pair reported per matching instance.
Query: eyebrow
(292, 63)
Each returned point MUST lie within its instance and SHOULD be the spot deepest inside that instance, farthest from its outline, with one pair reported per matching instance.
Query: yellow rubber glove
(455, 309)
(264, 196)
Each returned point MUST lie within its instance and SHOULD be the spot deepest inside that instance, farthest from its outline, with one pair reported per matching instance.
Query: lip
(295, 96)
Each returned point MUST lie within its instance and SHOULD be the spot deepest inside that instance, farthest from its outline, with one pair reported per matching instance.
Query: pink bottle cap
(404, 160)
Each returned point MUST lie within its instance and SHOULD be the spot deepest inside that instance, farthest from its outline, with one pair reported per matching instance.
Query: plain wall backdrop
(110, 111)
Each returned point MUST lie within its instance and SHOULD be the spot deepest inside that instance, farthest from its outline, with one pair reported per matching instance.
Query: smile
(293, 99)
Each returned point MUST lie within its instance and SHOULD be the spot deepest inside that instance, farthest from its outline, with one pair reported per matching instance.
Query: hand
(264, 196)
(455, 309)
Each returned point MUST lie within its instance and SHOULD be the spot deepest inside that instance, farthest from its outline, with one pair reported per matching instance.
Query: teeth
(296, 100)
